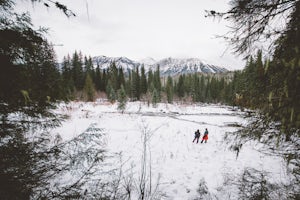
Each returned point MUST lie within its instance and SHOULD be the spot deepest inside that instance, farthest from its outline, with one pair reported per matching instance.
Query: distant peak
(168, 66)
(148, 61)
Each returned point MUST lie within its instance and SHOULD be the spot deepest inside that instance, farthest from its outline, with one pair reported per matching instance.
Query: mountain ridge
(168, 66)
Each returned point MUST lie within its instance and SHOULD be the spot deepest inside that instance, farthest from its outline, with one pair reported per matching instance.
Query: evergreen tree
(157, 82)
(98, 80)
(104, 81)
(213, 87)
(138, 84)
(77, 70)
(68, 83)
(155, 97)
(135, 84)
(202, 89)
(196, 90)
(180, 86)
(143, 81)
(122, 99)
(150, 80)
(251, 17)
(89, 88)
(169, 89)
(121, 78)
(88, 68)
(29, 84)
(113, 76)
(128, 85)
(208, 91)
(187, 84)
(110, 92)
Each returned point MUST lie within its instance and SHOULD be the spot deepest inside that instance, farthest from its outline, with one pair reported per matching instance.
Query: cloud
(138, 29)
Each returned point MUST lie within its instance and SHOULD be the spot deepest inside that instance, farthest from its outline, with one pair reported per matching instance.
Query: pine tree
(98, 79)
(104, 81)
(68, 83)
(208, 91)
(128, 85)
(77, 70)
(89, 88)
(113, 76)
(122, 99)
(135, 84)
(30, 83)
(187, 84)
(202, 89)
(138, 84)
(143, 81)
(195, 91)
(150, 80)
(180, 86)
(88, 68)
(121, 77)
(157, 82)
(110, 92)
(169, 89)
(155, 97)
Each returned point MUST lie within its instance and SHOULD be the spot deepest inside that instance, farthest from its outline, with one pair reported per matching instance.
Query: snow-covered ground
(179, 163)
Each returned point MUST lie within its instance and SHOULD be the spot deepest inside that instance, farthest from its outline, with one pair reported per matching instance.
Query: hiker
(205, 136)
(197, 136)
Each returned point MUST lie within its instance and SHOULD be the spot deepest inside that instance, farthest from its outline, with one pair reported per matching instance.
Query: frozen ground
(178, 162)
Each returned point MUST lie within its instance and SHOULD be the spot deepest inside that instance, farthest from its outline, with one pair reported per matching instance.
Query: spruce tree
(128, 85)
(68, 83)
(104, 81)
(113, 76)
(195, 91)
(88, 68)
(98, 79)
(202, 89)
(143, 81)
(138, 84)
(155, 97)
(122, 99)
(77, 70)
(110, 92)
(180, 86)
(30, 83)
(89, 88)
(121, 77)
(150, 80)
(135, 84)
(157, 82)
(169, 89)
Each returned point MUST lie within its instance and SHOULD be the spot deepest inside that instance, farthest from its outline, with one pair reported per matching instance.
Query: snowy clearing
(176, 162)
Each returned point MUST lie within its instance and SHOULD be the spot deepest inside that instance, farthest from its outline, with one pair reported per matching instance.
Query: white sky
(138, 29)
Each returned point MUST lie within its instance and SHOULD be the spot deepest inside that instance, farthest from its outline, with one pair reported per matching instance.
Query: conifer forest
(34, 84)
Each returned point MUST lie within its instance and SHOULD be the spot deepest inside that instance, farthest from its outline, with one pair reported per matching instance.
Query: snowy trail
(180, 163)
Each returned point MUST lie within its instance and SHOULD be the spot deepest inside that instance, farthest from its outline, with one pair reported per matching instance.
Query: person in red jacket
(205, 136)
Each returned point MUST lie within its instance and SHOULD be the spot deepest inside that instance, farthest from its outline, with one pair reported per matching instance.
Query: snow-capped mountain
(175, 66)
(104, 62)
(148, 61)
(168, 66)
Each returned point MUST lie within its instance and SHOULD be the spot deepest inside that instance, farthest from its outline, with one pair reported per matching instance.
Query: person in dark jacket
(205, 136)
(197, 136)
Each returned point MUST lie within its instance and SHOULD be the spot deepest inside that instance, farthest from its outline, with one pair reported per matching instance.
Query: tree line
(31, 83)
(79, 75)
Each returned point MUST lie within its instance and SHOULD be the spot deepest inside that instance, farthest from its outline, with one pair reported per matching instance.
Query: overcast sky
(138, 29)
